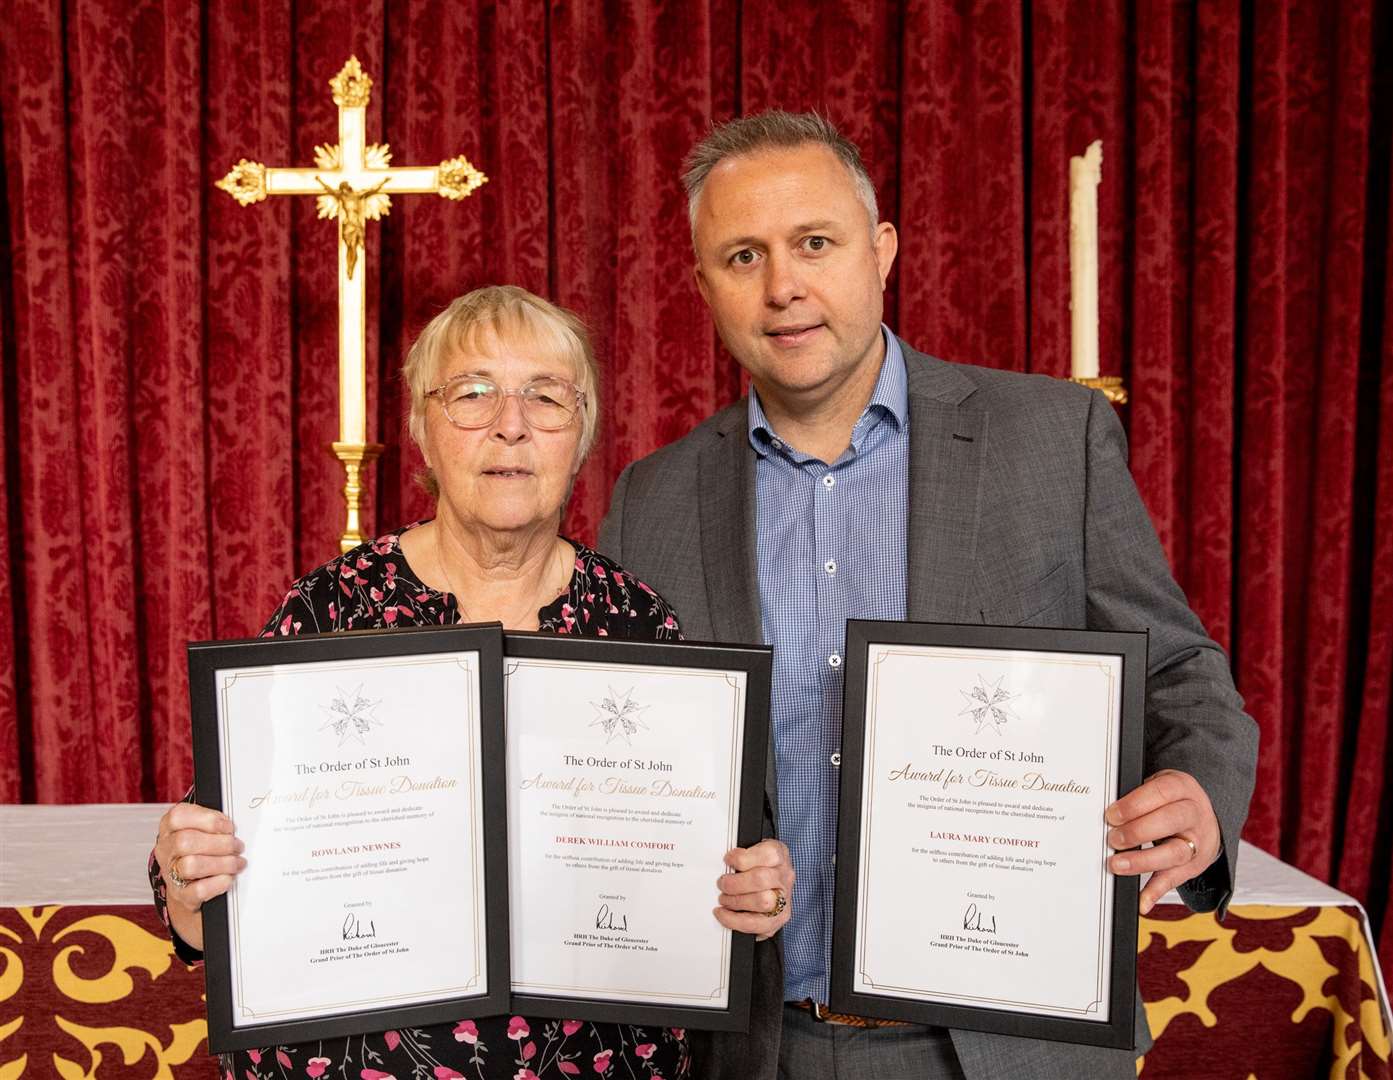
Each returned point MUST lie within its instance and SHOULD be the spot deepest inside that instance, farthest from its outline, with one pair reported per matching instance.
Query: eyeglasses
(476, 401)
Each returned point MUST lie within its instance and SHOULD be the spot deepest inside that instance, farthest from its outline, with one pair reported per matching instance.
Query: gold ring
(176, 878)
(780, 903)
(1194, 851)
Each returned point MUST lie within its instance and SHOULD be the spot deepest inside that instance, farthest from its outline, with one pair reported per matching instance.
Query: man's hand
(760, 877)
(1171, 811)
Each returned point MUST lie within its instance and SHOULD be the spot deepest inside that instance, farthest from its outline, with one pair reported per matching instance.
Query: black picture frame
(205, 659)
(756, 662)
(1118, 1030)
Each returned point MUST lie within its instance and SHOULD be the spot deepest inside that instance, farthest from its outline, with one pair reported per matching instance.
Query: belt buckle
(819, 1011)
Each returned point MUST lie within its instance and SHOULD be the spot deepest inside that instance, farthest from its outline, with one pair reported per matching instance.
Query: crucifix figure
(354, 182)
(352, 214)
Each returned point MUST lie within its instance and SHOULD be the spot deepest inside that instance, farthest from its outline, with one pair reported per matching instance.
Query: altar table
(1287, 987)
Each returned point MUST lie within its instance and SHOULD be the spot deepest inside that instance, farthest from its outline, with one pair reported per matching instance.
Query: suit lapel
(947, 445)
(727, 503)
(727, 533)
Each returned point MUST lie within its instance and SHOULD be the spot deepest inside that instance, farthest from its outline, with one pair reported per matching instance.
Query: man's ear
(886, 243)
(702, 286)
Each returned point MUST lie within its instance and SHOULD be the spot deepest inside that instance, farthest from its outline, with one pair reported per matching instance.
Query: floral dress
(372, 587)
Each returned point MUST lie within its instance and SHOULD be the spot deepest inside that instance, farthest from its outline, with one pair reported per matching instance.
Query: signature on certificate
(973, 921)
(353, 928)
(605, 919)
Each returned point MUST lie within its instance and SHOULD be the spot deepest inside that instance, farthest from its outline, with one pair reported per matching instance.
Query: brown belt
(822, 1016)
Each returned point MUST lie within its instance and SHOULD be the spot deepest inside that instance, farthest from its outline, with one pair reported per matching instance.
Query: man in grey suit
(862, 479)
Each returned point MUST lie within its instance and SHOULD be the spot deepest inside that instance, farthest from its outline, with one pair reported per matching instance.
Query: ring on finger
(1194, 851)
(175, 878)
(780, 903)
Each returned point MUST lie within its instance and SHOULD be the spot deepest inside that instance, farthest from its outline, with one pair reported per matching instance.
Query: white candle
(1085, 173)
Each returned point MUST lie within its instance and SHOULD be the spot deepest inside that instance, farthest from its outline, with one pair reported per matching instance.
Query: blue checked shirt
(830, 547)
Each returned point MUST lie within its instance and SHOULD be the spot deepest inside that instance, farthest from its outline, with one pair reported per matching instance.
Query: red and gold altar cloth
(97, 992)
(1272, 993)
(1286, 987)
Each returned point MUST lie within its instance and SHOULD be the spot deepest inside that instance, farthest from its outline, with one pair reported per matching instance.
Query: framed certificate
(354, 768)
(972, 888)
(632, 769)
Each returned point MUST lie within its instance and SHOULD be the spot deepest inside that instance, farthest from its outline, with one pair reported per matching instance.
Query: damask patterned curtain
(168, 379)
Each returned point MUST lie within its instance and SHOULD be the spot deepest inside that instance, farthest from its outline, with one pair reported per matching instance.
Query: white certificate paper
(355, 785)
(982, 876)
(623, 797)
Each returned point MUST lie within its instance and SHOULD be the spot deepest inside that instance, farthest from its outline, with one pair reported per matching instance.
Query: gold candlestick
(1110, 385)
(355, 456)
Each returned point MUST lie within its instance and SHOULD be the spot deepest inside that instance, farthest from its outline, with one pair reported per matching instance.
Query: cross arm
(250, 181)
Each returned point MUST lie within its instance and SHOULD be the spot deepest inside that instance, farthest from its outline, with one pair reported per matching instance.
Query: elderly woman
(504, 407)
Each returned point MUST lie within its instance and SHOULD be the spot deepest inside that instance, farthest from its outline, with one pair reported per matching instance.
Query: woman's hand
(199, 855)
(756, 894)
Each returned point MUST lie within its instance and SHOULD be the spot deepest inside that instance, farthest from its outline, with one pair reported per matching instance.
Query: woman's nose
(511, 425)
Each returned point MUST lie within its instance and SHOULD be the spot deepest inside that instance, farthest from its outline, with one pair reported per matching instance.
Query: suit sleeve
(611, 543)
(1195, 721)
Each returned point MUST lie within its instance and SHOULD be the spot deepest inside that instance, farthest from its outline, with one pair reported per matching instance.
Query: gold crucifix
(354, 184)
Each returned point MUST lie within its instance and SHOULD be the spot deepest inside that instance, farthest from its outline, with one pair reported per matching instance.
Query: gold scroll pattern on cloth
(1271, 992)
(89, 992)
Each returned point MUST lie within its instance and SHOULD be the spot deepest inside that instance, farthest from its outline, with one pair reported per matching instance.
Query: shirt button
(835, 660)
(830, 566)
(778, 444)
(837, 759)
(828, 481)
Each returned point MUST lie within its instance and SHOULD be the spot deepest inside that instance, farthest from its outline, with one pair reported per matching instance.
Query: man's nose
(783, 284)
(511, 426)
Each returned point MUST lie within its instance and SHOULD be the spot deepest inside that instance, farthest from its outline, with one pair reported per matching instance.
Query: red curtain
(169, 379)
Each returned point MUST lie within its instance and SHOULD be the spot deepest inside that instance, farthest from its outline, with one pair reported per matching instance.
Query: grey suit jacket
(1022, 512)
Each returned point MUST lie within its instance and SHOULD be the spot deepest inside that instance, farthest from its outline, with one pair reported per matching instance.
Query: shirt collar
(889, 398)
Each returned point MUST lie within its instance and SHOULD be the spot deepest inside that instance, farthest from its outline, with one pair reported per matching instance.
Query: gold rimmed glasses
(476, 401)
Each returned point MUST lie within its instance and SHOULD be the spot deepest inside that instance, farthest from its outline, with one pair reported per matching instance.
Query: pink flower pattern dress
(372, 587)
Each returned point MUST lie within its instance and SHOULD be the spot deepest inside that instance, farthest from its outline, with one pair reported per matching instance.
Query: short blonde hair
(478, 323)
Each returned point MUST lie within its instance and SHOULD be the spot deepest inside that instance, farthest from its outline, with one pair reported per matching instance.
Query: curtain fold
(1368, 804)
(169, 383)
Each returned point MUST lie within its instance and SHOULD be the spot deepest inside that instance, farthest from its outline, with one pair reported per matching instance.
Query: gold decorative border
(721, 993)
(1110, 777)
(463, 660)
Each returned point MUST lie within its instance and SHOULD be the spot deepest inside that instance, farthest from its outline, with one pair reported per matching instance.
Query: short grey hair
(478, 323)
(773, 129)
